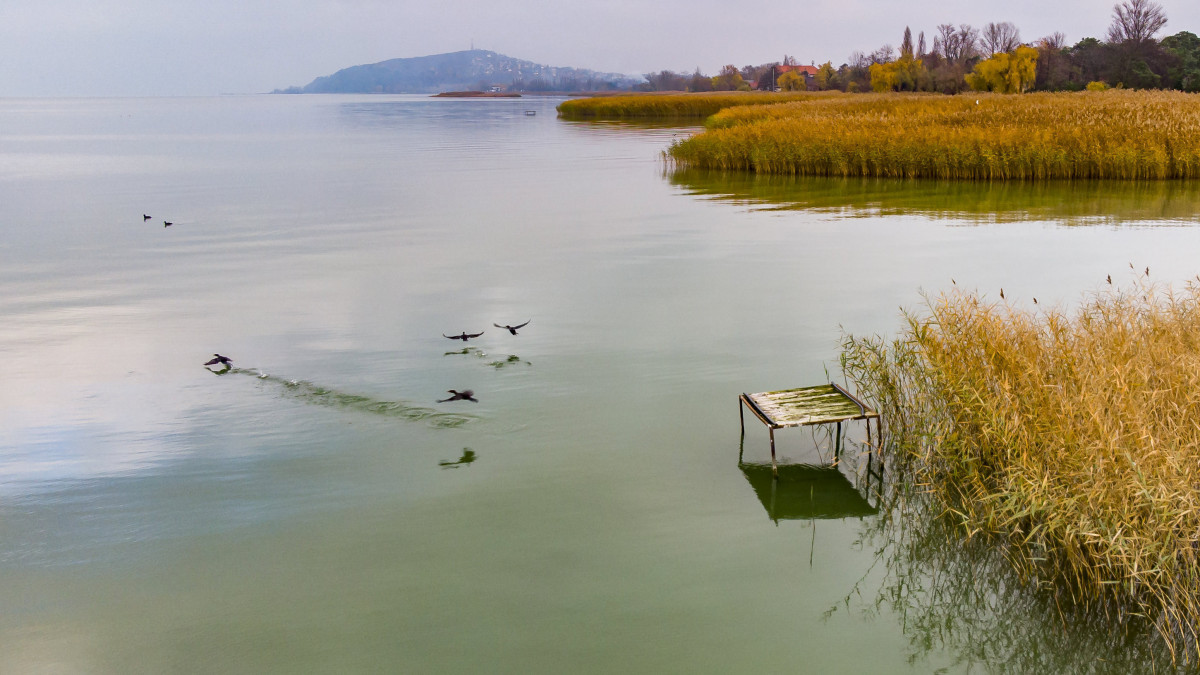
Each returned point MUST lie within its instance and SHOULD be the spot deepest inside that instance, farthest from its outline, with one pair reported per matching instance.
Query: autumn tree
(1006, 72)
(699, 82)
(906, 45)
(792, 81)
(906, 73)
(666, 80)
(729, 79)
(826, 77)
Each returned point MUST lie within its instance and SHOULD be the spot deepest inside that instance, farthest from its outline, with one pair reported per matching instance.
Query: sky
(207, 47)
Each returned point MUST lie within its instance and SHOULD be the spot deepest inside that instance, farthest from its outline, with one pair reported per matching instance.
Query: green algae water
(317, 509)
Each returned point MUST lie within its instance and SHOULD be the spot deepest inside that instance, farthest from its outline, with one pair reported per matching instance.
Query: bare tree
(921, 46)
(1055, 41)
(885, 54)
(1000, 37)
(1053, 69)
(956, 44)
(1136, 21)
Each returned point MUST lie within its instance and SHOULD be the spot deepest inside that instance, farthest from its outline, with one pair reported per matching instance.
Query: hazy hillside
(464, 70)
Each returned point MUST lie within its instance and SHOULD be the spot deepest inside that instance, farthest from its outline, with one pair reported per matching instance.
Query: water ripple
(315, 394)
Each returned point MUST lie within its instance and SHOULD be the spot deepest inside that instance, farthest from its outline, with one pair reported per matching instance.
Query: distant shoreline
(475, 94)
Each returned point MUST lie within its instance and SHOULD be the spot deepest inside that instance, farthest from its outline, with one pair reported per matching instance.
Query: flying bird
(1109, 277)
(145, 217)
(217, 358)
(464, 395)
(1001, 293)
(464, 337)
(167, 223)
(512, 329)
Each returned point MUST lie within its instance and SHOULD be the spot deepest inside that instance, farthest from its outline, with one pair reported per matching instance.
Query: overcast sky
(195, 47)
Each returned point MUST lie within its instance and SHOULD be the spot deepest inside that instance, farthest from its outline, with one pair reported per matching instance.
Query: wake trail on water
(315, 394)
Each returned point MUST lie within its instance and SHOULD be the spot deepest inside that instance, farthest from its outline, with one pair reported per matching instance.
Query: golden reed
(1073, 436)
(1083, 135)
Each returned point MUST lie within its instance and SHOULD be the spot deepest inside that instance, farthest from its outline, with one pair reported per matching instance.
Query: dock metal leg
(774, 465)
(837, 442)
(742, 414)
(742, 419)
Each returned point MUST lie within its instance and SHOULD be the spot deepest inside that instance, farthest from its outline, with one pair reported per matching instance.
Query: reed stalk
(1072, 435)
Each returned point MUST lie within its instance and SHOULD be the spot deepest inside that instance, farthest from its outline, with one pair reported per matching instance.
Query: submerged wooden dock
(820, 404)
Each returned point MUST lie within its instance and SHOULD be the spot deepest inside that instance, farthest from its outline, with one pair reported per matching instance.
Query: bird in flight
(167, 223)
(512, 329)
(145, 217)
(464, 395)
(464, 337)
(217, 358)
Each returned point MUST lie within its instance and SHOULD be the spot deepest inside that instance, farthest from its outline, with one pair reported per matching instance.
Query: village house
(809, 73)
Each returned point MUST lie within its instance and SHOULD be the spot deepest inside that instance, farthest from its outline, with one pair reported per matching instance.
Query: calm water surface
(315, 508)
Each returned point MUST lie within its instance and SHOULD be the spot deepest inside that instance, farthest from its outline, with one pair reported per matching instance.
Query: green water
(316, 509)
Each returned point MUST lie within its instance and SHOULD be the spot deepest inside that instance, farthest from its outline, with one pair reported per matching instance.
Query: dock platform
(821, 404)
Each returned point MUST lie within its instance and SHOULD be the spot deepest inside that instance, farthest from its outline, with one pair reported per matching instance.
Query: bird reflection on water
(467, 457)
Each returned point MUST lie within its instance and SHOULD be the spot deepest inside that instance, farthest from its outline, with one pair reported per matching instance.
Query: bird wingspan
(523, 325)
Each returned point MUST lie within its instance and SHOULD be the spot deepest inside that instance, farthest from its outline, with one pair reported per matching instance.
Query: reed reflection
(963, 596)
(1071, 203)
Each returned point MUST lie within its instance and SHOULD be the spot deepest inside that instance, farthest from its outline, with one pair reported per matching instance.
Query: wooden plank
(821, 404)
(758, 412)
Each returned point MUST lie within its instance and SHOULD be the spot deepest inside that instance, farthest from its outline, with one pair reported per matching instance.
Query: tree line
(992, 58)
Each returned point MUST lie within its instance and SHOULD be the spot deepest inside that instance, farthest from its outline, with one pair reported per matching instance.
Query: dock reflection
(806, 492)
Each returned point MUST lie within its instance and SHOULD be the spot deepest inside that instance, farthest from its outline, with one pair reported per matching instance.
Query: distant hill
(456, 71)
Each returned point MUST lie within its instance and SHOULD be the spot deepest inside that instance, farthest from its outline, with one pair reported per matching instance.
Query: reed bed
(1121, 135)
(1072, 436)
(673, 106)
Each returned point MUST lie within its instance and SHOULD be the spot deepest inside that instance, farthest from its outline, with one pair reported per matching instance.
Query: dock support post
(742, 414)
(837, 442)
(774, 466)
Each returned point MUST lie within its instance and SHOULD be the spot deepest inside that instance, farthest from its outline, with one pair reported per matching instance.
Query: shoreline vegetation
(1070, 438)
(1122, 135)
(669, 106)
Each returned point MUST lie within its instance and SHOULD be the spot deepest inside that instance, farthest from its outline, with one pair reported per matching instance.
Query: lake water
(315, 509)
